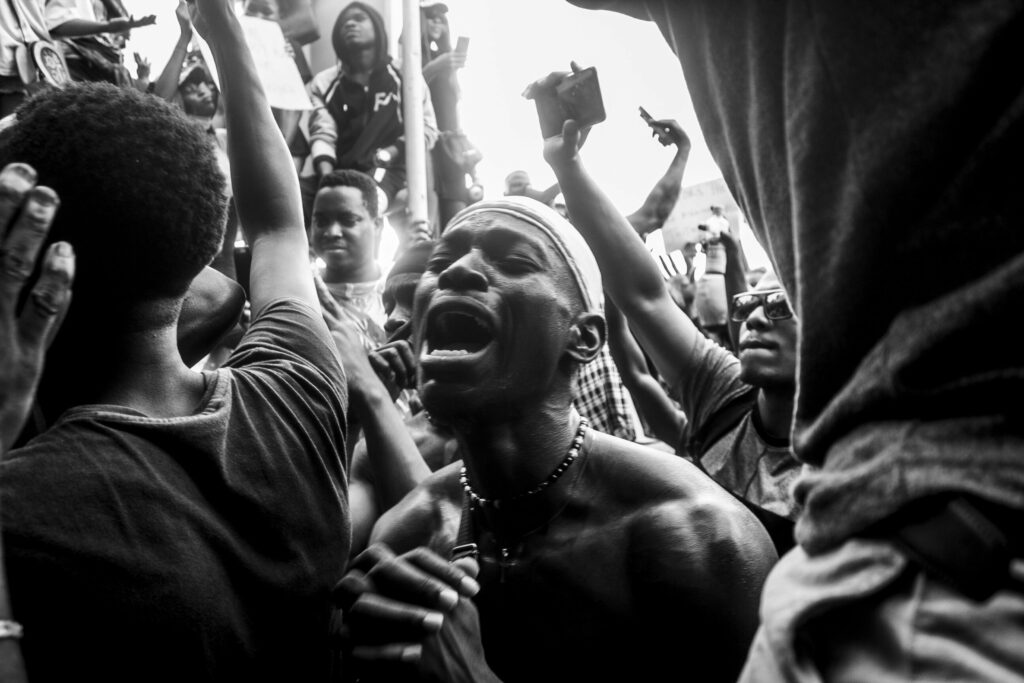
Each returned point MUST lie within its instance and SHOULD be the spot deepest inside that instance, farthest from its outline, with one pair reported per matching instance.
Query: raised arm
(75, 28)
(386, 465)
(630, 275)
(266, 189)
(661, 415)
(167, 83)
(659, 203)
(735, 279)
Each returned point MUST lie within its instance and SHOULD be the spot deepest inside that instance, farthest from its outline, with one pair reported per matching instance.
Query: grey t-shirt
(743, 460)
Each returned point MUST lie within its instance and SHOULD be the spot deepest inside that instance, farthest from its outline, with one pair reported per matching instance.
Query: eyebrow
(496, 240)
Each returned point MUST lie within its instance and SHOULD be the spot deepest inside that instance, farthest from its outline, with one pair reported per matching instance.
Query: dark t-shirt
(193, 548)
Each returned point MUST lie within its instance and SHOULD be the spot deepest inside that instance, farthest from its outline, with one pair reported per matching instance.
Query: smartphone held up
(576, 96)
(660, 131)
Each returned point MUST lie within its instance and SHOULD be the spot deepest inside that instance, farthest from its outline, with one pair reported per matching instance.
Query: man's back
(193, 548)
(649, 570)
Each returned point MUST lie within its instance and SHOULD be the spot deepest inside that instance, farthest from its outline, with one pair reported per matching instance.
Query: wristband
(10, 629)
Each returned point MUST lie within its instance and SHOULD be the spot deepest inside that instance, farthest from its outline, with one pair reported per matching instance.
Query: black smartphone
(658, 130)
(462, 45)
(577, 96)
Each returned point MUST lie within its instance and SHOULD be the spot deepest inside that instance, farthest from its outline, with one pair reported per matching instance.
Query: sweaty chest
(555, 592)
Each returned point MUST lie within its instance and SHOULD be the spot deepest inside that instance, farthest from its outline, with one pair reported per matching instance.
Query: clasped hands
(411, 617)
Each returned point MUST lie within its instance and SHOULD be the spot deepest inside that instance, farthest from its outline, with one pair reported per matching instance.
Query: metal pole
(412, 110)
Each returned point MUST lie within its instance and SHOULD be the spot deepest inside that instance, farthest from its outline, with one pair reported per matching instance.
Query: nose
(463, 274)
(332, 229)
(397, 326)
(757, 320)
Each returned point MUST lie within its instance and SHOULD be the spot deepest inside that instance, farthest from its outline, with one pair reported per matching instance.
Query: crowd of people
(233, 446)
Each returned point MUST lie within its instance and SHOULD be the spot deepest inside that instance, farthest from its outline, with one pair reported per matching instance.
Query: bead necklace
(574, 451)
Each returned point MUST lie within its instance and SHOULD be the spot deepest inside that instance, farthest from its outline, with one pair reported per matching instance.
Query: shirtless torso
(632, 566)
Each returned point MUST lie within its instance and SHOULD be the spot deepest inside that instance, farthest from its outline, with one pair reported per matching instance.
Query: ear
(586, 337)
(378, 230)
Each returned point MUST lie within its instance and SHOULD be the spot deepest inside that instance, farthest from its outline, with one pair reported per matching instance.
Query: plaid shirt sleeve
(599, 395)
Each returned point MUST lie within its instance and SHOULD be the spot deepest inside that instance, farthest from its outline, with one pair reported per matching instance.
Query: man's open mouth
(455, 332)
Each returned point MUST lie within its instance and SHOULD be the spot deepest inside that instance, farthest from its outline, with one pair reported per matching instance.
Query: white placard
(274, 65)
(694, 208)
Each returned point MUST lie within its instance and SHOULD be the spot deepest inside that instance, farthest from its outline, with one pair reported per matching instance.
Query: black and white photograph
(479, 341)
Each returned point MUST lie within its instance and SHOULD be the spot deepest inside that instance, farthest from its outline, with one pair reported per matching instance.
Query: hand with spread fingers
(410, 617)
(26, 212)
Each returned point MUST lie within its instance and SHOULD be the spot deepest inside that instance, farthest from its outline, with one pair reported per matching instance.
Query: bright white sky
(513, 43)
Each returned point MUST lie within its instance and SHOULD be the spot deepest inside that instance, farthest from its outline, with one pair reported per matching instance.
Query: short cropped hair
(142, 197)
(362, 182)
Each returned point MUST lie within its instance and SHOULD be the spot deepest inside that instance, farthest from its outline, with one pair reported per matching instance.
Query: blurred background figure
(454, 156)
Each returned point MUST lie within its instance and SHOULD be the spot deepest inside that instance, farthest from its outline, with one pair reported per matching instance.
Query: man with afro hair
(174, 525)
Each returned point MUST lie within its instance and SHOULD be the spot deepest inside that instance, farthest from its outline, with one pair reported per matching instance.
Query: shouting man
(587, 543)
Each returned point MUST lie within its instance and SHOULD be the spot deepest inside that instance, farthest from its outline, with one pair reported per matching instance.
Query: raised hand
(122, 24)
(142, 67)
(669, 132)
(209, 16)
(26, 213)
(562, 149)
(181, 13)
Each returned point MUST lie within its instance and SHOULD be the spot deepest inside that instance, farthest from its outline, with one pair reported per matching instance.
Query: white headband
(570, 244)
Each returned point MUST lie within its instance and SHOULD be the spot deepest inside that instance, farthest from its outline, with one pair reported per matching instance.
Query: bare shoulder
(681, 523)
(428, 516)
(691, 548)
(637, 475)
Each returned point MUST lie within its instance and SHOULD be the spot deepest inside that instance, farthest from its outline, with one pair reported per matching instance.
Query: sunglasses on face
(775, 303)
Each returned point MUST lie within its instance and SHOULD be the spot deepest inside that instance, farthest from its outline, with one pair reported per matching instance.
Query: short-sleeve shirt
(21, 22)
(362, 303)
(195, 548)
(744, 459)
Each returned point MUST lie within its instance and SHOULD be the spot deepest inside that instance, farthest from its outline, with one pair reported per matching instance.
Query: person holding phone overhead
(440, 66)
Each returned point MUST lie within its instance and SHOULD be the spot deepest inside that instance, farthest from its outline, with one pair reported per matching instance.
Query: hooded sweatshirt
(350, 121)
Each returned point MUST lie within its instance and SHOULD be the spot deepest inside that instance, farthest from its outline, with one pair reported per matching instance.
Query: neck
(368, 272)
(361, 62)
(507, 458)
(138, 369)
(775, 408)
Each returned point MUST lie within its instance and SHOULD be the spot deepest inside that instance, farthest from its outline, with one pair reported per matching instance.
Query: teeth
(449, 352)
